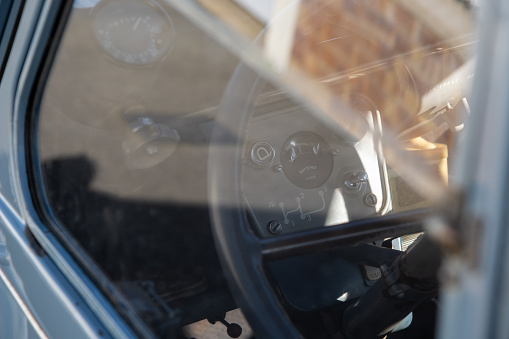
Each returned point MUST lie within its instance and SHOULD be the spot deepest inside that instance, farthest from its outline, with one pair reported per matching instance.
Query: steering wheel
(241, 251)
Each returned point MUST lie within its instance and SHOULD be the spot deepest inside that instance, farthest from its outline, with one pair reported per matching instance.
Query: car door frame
(51, 289)
(476, 289)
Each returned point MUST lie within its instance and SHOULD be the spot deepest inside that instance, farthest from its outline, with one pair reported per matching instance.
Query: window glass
(350, 110)
(122, 138)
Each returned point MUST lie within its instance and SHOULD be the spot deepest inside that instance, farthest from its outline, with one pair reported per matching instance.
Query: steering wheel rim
(240, 250)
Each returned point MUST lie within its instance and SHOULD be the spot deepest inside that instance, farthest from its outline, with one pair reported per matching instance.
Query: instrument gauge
(133, 32)
(306, 159)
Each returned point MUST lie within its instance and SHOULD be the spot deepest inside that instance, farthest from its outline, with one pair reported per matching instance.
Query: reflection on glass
(349, 109)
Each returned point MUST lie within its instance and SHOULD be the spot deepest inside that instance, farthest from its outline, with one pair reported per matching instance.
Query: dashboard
(154, 83)
(296, 172)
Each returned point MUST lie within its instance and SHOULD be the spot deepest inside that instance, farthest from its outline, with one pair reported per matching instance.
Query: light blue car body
(38, 297)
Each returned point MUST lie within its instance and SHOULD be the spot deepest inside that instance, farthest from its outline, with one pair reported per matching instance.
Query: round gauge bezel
(151, 3)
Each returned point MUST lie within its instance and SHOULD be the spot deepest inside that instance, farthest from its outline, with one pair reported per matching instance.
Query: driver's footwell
(205, 330)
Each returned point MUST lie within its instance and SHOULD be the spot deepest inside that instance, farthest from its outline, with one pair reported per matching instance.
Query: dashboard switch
(370, 200)
(354, 180)
(262, 153)
(275, 227)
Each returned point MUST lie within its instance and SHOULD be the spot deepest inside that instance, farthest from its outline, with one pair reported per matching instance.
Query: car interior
(218, 173)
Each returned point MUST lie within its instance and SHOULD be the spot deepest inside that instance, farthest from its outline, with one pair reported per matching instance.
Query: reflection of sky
(85, 3)
(261, 9)
(7, 192)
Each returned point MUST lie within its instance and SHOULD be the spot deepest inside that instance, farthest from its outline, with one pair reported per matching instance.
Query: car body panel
(44, 292)
(45, 299)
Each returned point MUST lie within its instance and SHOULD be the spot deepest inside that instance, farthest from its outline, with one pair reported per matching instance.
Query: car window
(350, 110)
(122, 147)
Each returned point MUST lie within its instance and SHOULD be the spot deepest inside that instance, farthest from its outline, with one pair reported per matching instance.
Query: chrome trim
(5, 205)
(15, 227)
(22, 305)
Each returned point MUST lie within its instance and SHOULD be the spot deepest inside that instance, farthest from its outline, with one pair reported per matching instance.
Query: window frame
(35, 72)
(42, 47)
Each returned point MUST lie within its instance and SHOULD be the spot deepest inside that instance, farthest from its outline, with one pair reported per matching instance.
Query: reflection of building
(392, 54)
(391, 51)
(373, 45)
(395, 56)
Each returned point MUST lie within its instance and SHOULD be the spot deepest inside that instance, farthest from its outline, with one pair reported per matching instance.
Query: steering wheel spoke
(319, 239)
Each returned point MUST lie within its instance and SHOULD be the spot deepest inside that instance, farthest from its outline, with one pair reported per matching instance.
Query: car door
(36, 299)
(475, 293)
(103, 169)
(59, 273)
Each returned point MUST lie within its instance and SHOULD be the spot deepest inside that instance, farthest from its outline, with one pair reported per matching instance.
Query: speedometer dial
(133, 32)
